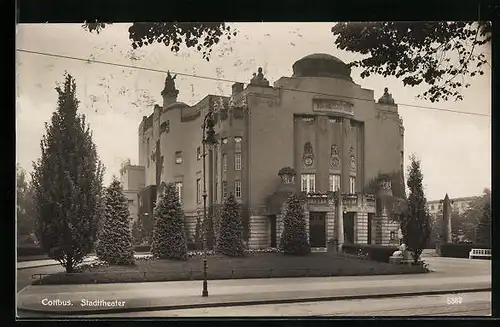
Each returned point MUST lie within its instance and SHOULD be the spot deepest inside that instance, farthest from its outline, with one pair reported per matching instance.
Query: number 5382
(454, 300)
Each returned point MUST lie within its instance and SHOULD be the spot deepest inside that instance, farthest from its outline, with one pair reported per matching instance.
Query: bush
(375, 252)
(230, 240)
(115, 242)
(453, 250)
(294, 239)
(169, 239)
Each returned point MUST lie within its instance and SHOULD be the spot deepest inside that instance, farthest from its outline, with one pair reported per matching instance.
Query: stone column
(446, 225)
(306, 218)
(345, 165)
(340, 222)
(361, 228)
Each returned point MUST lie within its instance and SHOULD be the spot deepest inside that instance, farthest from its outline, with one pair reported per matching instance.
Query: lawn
(258, 265)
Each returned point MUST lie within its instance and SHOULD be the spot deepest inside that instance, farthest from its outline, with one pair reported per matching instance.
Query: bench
(481, 253)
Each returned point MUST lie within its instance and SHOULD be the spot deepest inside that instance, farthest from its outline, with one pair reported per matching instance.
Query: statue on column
(386, 98)
(259, 79)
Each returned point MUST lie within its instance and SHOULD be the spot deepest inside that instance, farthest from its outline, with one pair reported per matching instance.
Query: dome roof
(321, 65)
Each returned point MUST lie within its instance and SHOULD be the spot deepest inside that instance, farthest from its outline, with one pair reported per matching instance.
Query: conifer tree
(230, 238)
(67, 183)
(415, 222)
(483, 229)
(294, 238)
(169, 239)
(115, 242)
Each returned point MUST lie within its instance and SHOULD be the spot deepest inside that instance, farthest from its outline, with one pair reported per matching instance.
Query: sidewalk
(133, 297)
(51, 262)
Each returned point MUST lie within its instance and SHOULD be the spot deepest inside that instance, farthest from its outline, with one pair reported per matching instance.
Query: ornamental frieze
(333, 106)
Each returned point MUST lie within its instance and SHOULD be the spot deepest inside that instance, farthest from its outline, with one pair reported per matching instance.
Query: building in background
(133, 180)
(328, 129)
(459, 204)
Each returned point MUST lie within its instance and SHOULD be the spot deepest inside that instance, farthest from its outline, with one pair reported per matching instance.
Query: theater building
(329, 131)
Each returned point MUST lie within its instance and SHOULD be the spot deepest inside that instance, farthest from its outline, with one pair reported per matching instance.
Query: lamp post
(208, 139)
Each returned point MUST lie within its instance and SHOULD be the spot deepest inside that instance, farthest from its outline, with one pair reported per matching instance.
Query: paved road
(472, 304)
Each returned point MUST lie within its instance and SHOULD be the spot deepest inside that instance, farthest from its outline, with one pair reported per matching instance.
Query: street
(171, 298)
(473, 304)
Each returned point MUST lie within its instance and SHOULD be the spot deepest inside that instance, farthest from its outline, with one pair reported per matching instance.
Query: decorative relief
(385, 185)
(352, 159)
(308, 156)
(329, 105)
(334, 157)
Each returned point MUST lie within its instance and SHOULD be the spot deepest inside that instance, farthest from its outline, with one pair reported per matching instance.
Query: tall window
(224, 162)
(237, 161)
(198, 153)
(237, 144)
(224, 189)
(178, 188)
(178, 157)
(352, 184)
(334, 182)
(237, 189)
(198, 190)
(308, 183)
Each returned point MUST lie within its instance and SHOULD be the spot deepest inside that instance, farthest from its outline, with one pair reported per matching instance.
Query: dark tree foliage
(169, 239)
(230, 240)
(294, 239)
(392, 203)
(415, 222)
(431, 53)
(115, 241)
(483, 229)
(24, 208)
(67, 183)
(201, 36)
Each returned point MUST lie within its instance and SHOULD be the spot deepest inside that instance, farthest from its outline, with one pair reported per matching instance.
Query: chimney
(237, 88)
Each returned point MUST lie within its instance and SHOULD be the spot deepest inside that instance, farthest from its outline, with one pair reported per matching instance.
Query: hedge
(375, 252)
(35, 250)
(453, 250)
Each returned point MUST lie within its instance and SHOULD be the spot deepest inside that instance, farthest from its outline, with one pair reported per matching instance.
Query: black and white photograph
(253, 169)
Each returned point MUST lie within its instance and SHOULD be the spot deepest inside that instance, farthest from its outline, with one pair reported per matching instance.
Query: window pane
(312, 182)
(224, 162)
(237, 161)
(303, 183)
(237, 188)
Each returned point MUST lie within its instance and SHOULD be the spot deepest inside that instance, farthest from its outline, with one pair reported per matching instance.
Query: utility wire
(232, 81)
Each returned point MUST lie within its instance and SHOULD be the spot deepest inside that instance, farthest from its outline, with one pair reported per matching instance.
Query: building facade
(459, 204)
(328, 130)
(133, 181)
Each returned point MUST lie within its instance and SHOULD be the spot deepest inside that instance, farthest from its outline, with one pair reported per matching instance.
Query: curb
(253, 302)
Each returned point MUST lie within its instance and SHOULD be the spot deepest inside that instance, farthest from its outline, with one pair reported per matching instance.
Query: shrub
(169, 239)
(452, 250)
(115, 244)
(375, 252)
(294, 239)
(229, 241)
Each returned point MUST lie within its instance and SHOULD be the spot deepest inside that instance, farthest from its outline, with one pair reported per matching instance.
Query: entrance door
(349, 227)
(317, 229)
(370, 227)
(272, 221)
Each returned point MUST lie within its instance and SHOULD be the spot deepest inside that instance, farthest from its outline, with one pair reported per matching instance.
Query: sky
(455, 149)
